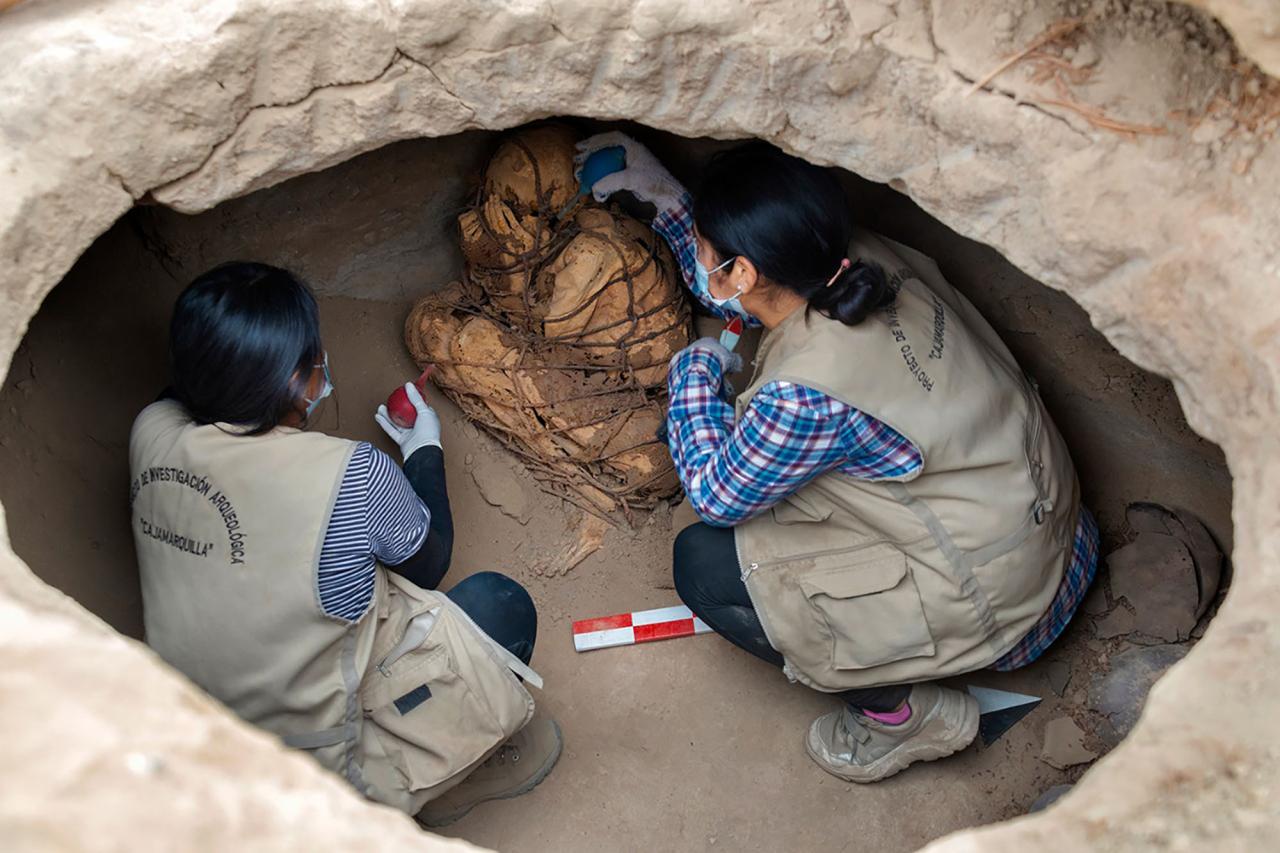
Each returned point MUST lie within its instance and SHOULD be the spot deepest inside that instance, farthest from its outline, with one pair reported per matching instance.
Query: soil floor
(678, 745)
(685, 744)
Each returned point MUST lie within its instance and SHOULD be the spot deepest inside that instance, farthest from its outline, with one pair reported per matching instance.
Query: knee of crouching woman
(686, 555)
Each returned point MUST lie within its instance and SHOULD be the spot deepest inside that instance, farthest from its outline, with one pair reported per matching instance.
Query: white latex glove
(729, 361)
(643, 176)
(424, 432)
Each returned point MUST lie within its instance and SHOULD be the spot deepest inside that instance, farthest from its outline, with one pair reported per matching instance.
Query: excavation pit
(1146, 195)
(701, 726)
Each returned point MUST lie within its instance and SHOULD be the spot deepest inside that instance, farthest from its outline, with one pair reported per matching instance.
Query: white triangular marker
(998, 710)
(990, 699)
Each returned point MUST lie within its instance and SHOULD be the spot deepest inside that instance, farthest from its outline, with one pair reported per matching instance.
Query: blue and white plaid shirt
(790, 435)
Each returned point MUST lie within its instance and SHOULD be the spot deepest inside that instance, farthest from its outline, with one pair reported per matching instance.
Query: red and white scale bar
(640, 626)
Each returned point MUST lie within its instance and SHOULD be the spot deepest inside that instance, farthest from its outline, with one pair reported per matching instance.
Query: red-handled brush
(399, 408)
(732, 332)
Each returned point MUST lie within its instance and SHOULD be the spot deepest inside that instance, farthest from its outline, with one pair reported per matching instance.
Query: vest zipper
(1035, 465)
(415, 634)
(764, 624)
(854, 549)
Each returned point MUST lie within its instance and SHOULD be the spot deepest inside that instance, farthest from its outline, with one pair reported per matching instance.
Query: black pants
(499, 605)
(502, 608)
(709, 581)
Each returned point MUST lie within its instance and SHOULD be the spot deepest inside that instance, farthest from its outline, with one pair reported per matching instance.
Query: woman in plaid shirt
(734, 468)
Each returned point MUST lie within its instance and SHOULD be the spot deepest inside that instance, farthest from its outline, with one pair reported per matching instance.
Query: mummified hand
(646, 178)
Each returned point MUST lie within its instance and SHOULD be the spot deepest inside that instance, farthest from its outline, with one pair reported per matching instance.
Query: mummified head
(790, 219)
(244, 346)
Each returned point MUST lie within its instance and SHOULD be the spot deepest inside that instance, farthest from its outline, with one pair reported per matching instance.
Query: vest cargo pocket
(869, 603)
(798, 509)
(429, 722)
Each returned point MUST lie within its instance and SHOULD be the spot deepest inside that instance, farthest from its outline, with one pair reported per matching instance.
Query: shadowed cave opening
(376, 232)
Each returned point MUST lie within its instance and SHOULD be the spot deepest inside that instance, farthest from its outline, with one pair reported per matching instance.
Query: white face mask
(702, 284)
(325, 391)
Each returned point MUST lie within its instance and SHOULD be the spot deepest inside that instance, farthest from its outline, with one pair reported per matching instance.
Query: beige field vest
(862, 583)
(402, 702)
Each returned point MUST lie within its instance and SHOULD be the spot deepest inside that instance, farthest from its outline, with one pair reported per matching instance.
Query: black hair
(791, 219)
(242, 344)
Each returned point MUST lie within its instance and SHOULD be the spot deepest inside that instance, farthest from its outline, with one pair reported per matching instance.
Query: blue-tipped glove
(644, 177)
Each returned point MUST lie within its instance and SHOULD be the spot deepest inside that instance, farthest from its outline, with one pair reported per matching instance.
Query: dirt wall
(382, 227)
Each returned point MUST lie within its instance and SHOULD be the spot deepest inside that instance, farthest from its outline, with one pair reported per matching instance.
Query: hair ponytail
(853, 293)
(791, 219)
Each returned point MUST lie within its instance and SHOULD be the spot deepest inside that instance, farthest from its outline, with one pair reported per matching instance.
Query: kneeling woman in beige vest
(291, 574)
(887, 502)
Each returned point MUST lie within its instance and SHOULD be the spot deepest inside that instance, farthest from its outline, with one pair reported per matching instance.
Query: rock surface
(495, 475)
(1064, 744)
(1049, 797)
(1095, 601)
(1190, 531)
(1059, 674)
(1120, 694)
(1165, 241)
(1253, 23)
(1117, 623)
(129, 755)
(1155, 574)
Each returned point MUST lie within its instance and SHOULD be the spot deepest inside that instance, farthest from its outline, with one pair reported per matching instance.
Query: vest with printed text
(402, 702)
(861, 583)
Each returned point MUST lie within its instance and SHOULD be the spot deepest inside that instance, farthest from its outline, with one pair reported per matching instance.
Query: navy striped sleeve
(377, 517)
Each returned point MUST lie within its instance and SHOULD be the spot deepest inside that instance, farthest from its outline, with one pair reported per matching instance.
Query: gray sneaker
(513, 769)
(860, 749)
